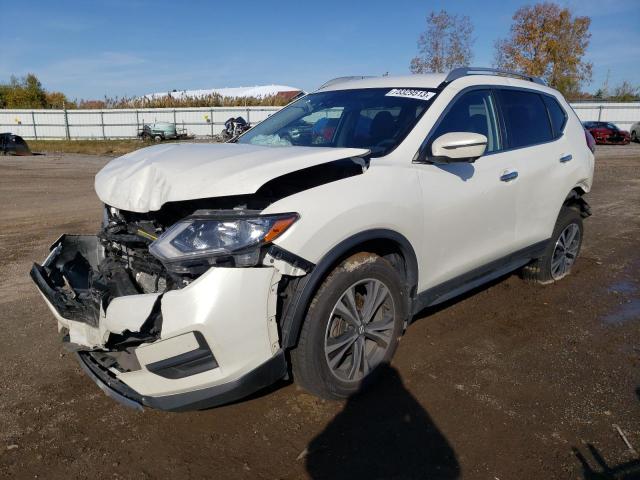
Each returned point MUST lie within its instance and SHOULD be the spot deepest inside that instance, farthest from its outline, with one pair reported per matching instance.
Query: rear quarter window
(525, 117)
(557, 115)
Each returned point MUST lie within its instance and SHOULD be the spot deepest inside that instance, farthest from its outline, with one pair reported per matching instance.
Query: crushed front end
(189, 326)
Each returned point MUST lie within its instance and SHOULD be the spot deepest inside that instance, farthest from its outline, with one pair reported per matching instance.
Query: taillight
(591, 143)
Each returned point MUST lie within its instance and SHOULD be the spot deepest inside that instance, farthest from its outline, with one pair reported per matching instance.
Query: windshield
(377, 119)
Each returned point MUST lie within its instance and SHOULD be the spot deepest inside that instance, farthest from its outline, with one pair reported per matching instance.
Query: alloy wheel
(360, 330)
(565, 251)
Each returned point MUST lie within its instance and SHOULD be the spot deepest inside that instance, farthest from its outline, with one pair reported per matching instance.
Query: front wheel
(353, 325)
(562, 251)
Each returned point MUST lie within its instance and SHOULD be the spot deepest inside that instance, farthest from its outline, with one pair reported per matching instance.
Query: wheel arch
(575, 198)
(300, 291)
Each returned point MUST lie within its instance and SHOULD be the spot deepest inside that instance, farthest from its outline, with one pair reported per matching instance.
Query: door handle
(508, 176)
(566, 158)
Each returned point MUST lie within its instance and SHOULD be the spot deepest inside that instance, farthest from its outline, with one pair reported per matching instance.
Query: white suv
(312, 240)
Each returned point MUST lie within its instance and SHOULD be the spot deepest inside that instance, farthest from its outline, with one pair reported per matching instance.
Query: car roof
(425, 80)
(431, 80)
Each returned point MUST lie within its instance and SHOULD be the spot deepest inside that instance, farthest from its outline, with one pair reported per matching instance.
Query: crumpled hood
(144, 180)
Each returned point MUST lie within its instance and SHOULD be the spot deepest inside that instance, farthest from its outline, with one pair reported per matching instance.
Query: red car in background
(606, 133)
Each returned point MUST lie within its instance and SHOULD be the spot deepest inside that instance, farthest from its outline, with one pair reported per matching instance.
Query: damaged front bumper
(212, 342)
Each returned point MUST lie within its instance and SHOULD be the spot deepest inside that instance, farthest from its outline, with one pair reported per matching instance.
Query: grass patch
(92, 147)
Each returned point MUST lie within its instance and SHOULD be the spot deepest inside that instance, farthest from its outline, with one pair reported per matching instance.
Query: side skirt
(479, 276)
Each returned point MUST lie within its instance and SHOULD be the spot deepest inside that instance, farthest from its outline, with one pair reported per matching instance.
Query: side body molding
(303, 288)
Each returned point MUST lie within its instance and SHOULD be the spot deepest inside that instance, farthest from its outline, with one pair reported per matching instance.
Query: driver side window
(474, 112)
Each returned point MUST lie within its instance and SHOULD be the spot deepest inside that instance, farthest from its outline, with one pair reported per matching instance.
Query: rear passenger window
(525, 117)
(474, 112)
(557, 114)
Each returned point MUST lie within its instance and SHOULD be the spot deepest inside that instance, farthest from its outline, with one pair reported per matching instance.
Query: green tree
(35, 95)
(25, 92)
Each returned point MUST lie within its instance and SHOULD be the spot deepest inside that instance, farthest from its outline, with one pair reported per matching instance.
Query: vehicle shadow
(384, 434)
(625, 471)
(462, 170)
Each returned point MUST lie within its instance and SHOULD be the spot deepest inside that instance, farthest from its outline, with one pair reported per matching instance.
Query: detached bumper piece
(109, 384)
(264, 375)
(65, 278)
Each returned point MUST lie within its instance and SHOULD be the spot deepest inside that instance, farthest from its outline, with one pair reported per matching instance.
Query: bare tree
(548, 41)
(625, 92)
(445, 44)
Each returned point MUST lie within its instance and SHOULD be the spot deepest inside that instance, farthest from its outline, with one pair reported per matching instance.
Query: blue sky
(131, 47)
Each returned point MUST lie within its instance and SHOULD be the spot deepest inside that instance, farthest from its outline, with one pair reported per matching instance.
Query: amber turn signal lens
(279, 227)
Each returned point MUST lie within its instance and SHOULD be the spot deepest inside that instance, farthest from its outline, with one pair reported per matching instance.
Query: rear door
(541, 154)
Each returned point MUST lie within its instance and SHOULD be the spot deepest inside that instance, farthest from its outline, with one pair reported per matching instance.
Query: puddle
(623, 286)
(630, 309)
(624, 313)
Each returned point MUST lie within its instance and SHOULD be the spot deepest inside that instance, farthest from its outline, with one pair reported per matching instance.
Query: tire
(634, 136)
(331, 332)
(157, 138)
(559, 257)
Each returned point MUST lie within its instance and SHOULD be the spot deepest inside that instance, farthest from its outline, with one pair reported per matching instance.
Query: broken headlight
(211, 234)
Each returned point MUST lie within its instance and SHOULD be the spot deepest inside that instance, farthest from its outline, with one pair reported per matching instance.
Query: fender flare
(303, 288)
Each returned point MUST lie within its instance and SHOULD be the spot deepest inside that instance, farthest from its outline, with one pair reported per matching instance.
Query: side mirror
(458, 147)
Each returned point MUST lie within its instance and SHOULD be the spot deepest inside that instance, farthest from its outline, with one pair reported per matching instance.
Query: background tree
(625, 92)
(25, 92)
(57, 100)
(549, 42)
(445, 44)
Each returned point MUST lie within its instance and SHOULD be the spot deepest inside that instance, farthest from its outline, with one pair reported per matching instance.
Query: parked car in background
(606, 133)
(11, 144)
(159, 131)
(315, 238)
(635, 132)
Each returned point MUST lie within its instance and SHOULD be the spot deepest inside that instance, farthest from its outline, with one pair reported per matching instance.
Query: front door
(469, 208)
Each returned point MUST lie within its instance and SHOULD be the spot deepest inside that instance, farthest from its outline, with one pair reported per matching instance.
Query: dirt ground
(513, 382)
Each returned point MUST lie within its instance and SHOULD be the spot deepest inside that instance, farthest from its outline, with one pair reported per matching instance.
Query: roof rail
(465, 71)
(343, 79)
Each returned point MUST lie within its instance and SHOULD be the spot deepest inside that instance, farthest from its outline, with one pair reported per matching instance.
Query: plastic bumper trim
(262, 376)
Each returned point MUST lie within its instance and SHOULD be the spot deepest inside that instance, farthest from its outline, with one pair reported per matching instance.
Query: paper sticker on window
(410, 93)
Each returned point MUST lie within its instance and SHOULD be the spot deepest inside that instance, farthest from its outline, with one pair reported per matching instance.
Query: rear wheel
(634, 136)
(562, 251)
(353, 325)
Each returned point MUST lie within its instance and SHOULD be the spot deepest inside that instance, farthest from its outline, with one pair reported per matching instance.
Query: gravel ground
(514, 381)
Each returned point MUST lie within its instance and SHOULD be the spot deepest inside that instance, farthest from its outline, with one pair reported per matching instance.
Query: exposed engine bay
(123, 265)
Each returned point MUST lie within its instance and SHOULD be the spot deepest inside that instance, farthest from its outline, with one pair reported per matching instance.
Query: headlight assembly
(210, 234)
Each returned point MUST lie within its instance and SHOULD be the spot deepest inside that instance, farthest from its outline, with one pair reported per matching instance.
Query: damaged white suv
(313, 239)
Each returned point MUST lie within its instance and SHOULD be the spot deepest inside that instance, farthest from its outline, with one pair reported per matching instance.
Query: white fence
(122, 123)
(622, 114)
(203, 121)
